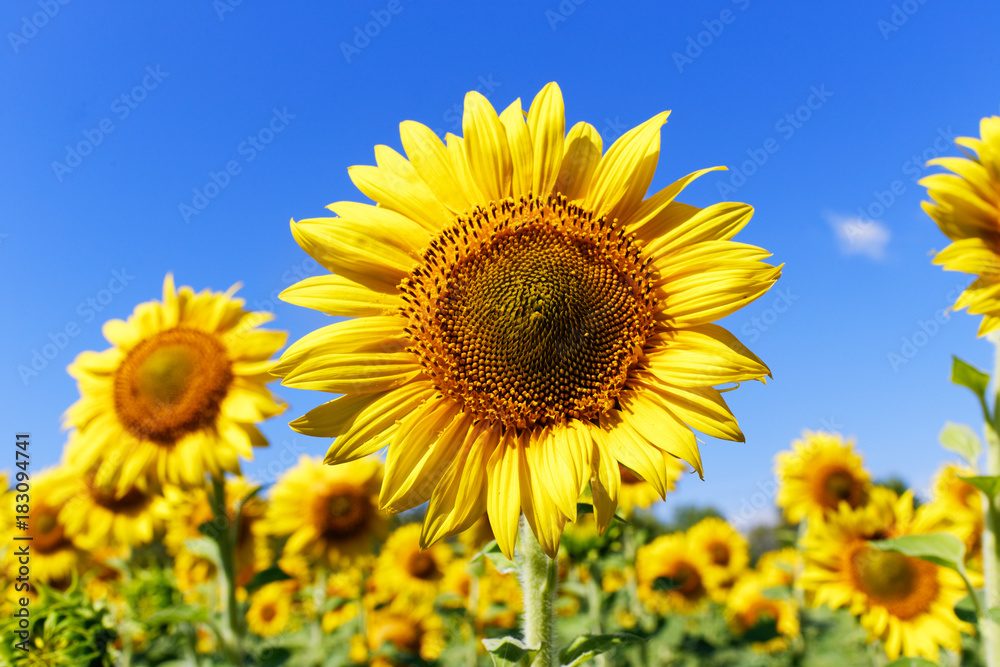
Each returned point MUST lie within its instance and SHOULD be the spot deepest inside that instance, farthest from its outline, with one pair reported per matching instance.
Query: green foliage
(962, 440)
(686, 516)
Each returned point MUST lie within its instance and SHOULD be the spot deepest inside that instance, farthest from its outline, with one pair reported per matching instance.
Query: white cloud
(860, 237)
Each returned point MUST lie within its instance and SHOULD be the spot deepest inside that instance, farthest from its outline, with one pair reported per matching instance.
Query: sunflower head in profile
(965, 204)
(178, 394)
(54, 557)
(328, 513)
(726, 551)
(524, 319)
(820, 472)
(405, 571)
(672, 576)
(768, 623)
(906, 602)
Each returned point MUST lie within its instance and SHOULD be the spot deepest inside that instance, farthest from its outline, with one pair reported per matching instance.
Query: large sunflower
(526, 320)
(178, 394)
(966, 206)
(329, 514)
(820, 472)
(906, 602)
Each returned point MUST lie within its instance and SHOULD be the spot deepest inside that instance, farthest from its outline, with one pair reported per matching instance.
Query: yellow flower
(779, 568)
(770, 624)
(966, 206)
(728, 553)
(177, 396)
(614, 579)
(53, 556)
(344, 585)
(956, 507)
(415, 631)
(525, 320)
(329, 513)
(405, 571)
(906, 602)
(672, 575)
(636, 492)
(270, 608)
(819, 473)
(97, 517)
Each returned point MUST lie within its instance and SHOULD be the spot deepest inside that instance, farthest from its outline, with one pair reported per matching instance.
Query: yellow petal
(541, 513)
(430, 158)
(547, 125)
(716, 291)
(402, 192)
(605, 483)
(486, 146)
(521, 150)
(702, 408)
(655, 419)
(378, 417)
(357, 335)
(350, 373)
(703, 355)
(336, 295)
(582, 154)
(503, 500)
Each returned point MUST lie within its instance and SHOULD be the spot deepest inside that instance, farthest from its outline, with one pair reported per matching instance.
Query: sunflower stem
(225, 538)
(539, 576)
(989, 628)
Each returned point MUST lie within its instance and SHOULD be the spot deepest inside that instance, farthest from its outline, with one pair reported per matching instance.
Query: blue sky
(141, 138)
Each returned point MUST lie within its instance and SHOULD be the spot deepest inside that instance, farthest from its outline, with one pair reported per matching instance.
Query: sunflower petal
(623, 175)
(430, 158)
(519, 141)
(486, 144)
(503, 500)
(336, 295)
(547, 124)
(583, 153)
(376, 419)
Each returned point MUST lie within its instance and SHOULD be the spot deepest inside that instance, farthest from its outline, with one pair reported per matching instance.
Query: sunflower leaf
(268, 576)
(942, 549)
(988, 484)
(508, 651)
(492, 553)
(585, 647)
(966, 375)
(912, 662)
(204, 548)
(962, 440)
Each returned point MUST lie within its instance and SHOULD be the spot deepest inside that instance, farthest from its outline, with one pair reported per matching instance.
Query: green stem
(224, 535)
(989, 628)
(539, 576)
(594, 598)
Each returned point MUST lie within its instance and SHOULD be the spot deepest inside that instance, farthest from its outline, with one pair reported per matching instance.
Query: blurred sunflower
(329, 513)
(270, 609)
(343, 587)
(906, 602)
(819, 473)
(728, 553)
(188, 509)
(403, 570)
(769, 624)
(956, 507)
(177, 396)
(526, 321)
(779, 568)
(54, 557)
(410, 631)
(98, 517)
(965, 204)
(636, 492)
(672, 576)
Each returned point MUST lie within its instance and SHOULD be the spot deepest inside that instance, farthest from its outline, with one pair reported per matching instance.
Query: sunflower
(410, 631)
(727, 552)
(178, 394)
(636, 492)
(966, 207)
(98, 517)
(672, 575)
(819, 473)
(329, 514)
(53, 556)
(525, 320)
(343, 591)
(769, 624)
(270, 609)
(956, 507)
(906, 602)
(779, 568)
(189, 509)
(405, 571)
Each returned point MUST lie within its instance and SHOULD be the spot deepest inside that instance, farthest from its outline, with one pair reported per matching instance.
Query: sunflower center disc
(47, 532)
(719, 554)
(171, 384)
(132, 501)
(423, 566)
(906, 586)
(530, 312)
(345, 514)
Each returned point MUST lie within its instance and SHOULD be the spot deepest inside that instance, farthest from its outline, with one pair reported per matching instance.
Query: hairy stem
(539, 576)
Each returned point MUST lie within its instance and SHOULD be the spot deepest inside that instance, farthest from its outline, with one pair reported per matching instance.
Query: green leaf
(965, 375)
(508, 651)
(962, 440)
(965, 609)
(492, 553)
(912, 662)
(585, 647)
(273, 657)
(587, 508)
(268, 576)
(940, 548)
(184, 613)
(990, 485)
